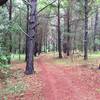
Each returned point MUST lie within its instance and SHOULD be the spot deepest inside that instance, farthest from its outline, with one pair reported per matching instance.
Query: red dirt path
(74, 83)
(53, 82)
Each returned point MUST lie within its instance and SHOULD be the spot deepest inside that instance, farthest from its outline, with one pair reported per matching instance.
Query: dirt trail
(68, 83)
(57, 82)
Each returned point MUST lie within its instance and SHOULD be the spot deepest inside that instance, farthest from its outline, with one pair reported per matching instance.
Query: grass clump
(13, 89)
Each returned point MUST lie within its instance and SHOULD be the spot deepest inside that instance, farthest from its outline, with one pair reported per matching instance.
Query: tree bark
(20, 37)
(31, 41)
(27, 30)
(10, 37)
(59, 32)
(68, 30)
(95, 30)
(86, 31)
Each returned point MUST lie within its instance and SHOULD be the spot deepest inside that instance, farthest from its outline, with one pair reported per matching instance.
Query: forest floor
(53, 80)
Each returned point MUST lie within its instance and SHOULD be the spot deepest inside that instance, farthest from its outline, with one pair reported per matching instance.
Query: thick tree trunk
(86, 31)
(59, 32)
(31, 40)
(95, 30)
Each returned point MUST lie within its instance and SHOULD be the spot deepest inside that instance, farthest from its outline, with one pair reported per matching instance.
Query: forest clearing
(49, 49)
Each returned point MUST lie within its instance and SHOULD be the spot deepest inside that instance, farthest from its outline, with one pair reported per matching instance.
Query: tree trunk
(68, 30)
(95, 30)
(59, 32)
(10, 37)
(31, 40)
(74, 41)
(68, 20)
(86, 31)
(27, 30)
(20, 38)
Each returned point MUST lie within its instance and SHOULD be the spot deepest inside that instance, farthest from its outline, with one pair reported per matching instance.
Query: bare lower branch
(26, 2)
(46, 6)
(25, 32)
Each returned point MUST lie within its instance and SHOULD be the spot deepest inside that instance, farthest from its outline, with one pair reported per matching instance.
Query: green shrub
(3, 61)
